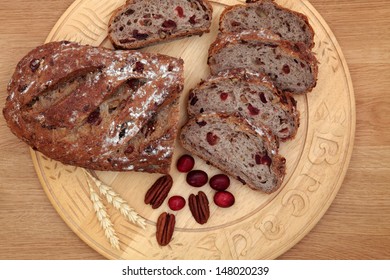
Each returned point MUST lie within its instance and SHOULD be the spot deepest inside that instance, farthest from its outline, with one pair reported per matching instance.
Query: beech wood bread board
(257, 226)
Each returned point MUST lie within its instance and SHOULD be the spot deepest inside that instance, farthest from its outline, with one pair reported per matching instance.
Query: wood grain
(356, 225)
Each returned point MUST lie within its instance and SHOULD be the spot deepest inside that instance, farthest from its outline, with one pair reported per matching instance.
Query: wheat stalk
(118, 202)
(104, 218)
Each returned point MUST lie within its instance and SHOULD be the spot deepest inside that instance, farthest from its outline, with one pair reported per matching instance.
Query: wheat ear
(104, 218)
(118, 202)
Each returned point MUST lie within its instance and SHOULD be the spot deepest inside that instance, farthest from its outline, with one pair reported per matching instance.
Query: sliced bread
(139, 23)
(249, 94)
(266, 14)
(292, 67)
(229, 143)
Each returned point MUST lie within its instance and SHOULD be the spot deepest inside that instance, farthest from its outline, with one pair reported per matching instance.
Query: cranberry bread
(292, 68)
(266, 14)
(249, 94)
(232, 145)
(85, 106)
(139, 23)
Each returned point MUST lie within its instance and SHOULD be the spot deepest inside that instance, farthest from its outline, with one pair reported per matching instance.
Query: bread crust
(151, 41)
(77, 127)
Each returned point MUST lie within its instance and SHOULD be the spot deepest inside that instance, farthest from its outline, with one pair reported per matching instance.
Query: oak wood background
(356, 226)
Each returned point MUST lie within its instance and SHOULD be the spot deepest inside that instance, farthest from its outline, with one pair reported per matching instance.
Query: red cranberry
(224, 96)
(185, 163)
(262, 97)
(94, 117)
(170, 24)
(219, 182)
(179, 11)
(266, 160)
(224, 199)
(139, 36)
(253, 110)
(197, 178)
(139, 67)
(176, 202)
(192, 20)
(286, 69)
(212, 139)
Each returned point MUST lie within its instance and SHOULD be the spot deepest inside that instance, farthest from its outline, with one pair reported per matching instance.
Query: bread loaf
(139, 23)
(249, 94)
(292, 68)
(94, 107)
(266, 14)
(232, 145)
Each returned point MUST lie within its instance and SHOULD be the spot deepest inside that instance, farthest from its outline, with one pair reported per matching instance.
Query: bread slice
(139, 23)
(232, 145)
(86, 106)
(249, 94)
(266, 14)
(292, 68)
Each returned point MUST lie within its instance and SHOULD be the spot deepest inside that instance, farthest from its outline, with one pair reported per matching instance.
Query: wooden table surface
(356, 226)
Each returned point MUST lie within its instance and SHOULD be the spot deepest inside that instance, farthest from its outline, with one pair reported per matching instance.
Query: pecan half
(164, 228)
(199, 206)
(158, 192)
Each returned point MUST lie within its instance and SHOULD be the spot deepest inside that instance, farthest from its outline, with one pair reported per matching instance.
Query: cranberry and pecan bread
(229, 143)
(96, 108)
(139, 23)
(266, 14)
(249, 94)
(292, 67)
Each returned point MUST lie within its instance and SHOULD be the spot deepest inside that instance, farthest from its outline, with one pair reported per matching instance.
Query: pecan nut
(199, 207)
(158, 192)
(164, 228)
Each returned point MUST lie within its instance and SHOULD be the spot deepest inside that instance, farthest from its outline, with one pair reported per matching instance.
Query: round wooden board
(258, 226)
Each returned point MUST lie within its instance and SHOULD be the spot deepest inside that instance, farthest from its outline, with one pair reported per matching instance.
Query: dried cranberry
(193, 101)
(22, 88)
(201, 123)
(94, 117)
(180, 11)
(129, 150)
(170, 24)
(149, 127)
(34, 64)
(286, 69)
(262, 97)
(223, 96)
(212, 139)
(253, 110)
(192, 20)
(197, 178)
(139, 67)
(185, 163)
(129, 12)
(139, 36)
(176, 202)
(266, 160)
(235, 23)
(224, 199)
(219, 182)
